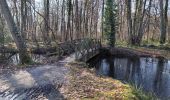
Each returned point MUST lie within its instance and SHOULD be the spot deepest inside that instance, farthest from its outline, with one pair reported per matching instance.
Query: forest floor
(64, 79)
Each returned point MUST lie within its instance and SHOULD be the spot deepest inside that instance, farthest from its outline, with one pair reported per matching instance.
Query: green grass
(150, 42)
(141, 95)
(122, 43)
(144, 42)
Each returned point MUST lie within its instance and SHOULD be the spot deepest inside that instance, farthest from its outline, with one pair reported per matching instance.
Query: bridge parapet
(87, 49)
(80, 47)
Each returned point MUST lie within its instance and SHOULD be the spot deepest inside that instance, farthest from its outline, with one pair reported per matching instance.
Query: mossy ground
(162, 53)
(85, 85)
(159, 49)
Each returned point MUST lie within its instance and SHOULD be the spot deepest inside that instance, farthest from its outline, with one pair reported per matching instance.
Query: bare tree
(21, 45)
(46, 35)
(164, 20)
(23, 18)
(129, 19)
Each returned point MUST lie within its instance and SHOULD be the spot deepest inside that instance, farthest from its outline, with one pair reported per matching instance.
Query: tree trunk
(46, 23)
(110, 22)
(20, 42)
(102, 22)
(129, 20)
(141, 23)
(162, 24)
(149, 20)
(69, 8)
(23, 18)
(166, 17)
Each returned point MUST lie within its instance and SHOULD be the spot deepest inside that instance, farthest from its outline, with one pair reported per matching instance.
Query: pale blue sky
(38, 0)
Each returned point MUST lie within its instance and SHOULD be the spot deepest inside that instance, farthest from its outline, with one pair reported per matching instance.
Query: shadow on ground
(34, 84)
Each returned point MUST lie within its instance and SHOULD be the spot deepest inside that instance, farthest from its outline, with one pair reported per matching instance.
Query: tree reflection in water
(148, 73)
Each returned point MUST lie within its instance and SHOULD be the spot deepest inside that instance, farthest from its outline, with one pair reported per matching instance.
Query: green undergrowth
(144, 43)
(84, 84)
(160, 52)
(152, 48)
(122, 43)
(150, 42)
(141, 95)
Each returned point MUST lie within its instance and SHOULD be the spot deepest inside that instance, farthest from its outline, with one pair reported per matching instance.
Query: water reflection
(35, 57)
(152, 74)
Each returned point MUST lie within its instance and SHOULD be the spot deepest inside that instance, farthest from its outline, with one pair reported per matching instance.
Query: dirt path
(35, 83)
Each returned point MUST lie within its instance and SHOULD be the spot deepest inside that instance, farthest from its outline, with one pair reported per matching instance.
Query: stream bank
(81, 83)
(85, 84)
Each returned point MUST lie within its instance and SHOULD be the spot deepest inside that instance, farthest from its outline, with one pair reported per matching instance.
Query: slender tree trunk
(166, 17)
(162, 24)
(69, 7)
(23, 18)
(17, 14)
(77, 19)
(103, 20)
(46, 22)
(141, 23)
(63, 21)
(149, 19)
(129, 20)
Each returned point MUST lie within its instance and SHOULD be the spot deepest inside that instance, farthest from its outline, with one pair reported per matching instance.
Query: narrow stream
(35, 57)
(151, 74)
(14, 59)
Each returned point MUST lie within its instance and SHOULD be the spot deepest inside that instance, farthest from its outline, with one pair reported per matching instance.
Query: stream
(14, 59)
(150, 74)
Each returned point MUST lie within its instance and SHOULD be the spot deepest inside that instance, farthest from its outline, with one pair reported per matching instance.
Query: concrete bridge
(80, 47)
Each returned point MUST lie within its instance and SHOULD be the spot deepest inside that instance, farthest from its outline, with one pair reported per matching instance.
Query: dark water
(35, 57)
(151, 74)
